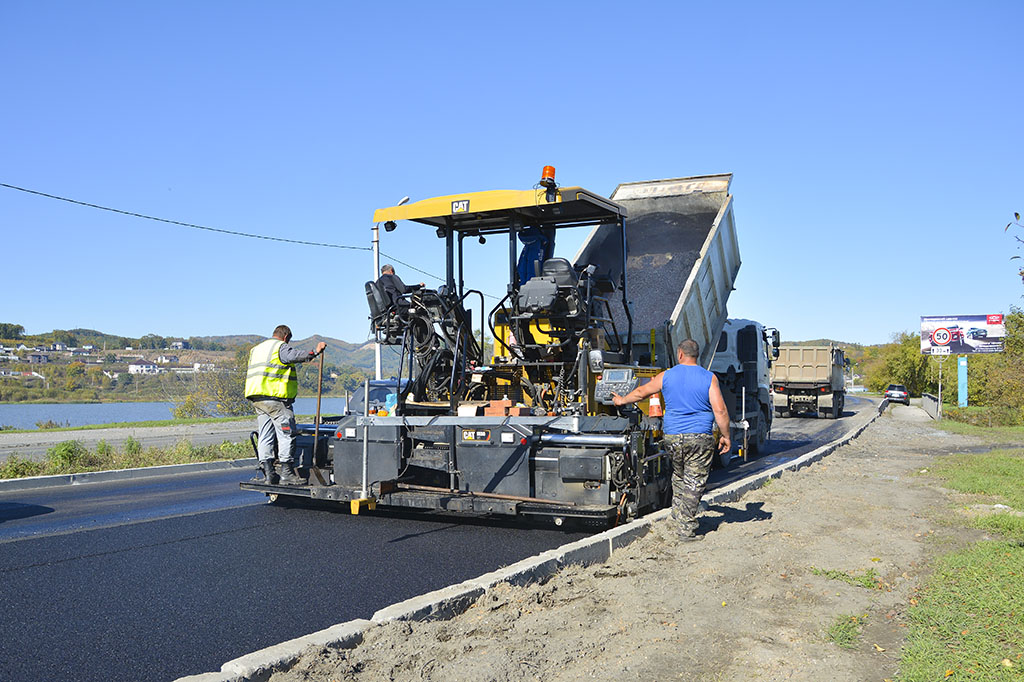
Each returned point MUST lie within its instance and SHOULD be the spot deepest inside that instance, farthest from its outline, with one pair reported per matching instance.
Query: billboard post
(961, 380)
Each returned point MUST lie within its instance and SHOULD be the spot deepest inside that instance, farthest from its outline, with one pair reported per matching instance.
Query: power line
(183, 224)
(221, 231)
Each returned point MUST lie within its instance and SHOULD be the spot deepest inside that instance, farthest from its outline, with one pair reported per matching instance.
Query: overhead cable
(220, 230)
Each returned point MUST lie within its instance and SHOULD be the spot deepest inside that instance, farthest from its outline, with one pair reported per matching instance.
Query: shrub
(67, 454)
(50, 424)
(16, 467)
(1000, 415)
(132, 446)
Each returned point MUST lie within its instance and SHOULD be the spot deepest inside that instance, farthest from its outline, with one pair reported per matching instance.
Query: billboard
(960, 334)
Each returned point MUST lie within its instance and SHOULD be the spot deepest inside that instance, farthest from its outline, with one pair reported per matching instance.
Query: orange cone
(654, 408)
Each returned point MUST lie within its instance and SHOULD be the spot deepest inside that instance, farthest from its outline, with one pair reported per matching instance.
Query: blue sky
(875, 147)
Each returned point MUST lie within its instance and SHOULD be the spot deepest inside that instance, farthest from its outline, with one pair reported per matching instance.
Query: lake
(83, 414)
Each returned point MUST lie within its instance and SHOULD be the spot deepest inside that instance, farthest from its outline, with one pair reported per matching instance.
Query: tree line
(79, 337)
(995, 380)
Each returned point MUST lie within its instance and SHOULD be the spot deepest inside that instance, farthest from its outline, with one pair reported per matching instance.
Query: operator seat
(385, 322)
(560, 271)
(554, 293)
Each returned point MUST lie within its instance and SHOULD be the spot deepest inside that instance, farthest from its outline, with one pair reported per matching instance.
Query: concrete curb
(260, 665)
(33, 482)
(450, 601)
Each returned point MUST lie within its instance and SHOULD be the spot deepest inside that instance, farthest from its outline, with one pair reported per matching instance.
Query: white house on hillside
(143, 367)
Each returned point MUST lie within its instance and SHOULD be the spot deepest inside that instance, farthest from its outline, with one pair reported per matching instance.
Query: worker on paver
(271, 383)
(394, 288)
(693, 404)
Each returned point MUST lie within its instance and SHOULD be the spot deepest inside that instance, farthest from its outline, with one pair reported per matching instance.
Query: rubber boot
(288, 475)
(269, 473)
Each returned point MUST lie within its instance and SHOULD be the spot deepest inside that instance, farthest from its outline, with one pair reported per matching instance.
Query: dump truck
(742, 362)
(809, 379)
(526, 427)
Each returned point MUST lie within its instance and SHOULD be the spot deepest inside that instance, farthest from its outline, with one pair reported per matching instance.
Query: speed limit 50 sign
(941, 337)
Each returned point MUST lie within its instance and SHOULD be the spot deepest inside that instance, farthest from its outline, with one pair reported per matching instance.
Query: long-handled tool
(316, 424)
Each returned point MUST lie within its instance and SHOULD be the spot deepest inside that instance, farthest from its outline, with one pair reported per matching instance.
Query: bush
(68, 454)
(16, 467)
(132, 446)
(999, 415)
(50, 424)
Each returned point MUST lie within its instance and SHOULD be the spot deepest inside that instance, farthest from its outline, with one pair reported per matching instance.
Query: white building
(143, 367)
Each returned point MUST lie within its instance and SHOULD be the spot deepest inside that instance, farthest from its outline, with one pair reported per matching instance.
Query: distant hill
(353, 354)
(339, 353)
(854, 351)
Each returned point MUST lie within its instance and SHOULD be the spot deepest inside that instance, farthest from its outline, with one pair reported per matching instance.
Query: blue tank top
(687, 405)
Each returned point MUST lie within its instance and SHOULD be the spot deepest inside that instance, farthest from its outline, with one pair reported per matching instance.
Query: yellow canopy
(493, 211)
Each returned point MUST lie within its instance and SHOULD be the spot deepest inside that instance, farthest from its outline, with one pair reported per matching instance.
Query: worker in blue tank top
(693, 404)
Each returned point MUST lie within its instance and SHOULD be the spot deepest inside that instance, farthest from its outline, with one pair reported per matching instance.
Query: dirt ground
(744, 604)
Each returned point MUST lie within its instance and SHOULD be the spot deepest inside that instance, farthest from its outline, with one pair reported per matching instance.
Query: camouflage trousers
(691, 463)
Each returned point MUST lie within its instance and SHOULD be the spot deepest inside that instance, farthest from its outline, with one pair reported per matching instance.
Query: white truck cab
(742, 363)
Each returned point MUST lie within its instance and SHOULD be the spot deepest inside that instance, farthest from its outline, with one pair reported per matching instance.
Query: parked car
(975, 333)
(897, 393)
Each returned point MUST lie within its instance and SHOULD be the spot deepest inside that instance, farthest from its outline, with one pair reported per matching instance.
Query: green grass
(991, 434)
(969, 618)
(72, 457)
(968, 622)
(868, 579)
(845, 630)
(998, 474)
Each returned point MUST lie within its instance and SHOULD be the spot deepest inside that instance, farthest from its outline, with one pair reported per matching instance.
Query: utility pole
(376, 274)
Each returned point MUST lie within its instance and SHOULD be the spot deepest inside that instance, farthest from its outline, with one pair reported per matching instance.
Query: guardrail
(930, 404)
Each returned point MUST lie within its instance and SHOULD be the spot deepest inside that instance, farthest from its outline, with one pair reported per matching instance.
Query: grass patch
(868, 579)
(72, 457)
(991, 434)
(845, 630)
(997, 474)
(1010, 526)
(969, 619)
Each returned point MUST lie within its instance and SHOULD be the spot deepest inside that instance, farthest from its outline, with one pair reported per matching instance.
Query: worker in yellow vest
(271, 383)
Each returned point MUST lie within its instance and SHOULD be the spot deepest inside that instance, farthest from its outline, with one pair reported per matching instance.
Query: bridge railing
(930, 403)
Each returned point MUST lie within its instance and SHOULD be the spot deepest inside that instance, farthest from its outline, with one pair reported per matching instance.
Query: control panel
(620, 380)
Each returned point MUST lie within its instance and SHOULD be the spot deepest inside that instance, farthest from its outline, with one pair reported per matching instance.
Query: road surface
(169, 576)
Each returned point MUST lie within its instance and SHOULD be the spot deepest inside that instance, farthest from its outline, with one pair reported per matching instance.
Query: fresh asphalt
(168, 576)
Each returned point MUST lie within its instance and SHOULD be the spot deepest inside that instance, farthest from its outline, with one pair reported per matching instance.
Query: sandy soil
(744, 604)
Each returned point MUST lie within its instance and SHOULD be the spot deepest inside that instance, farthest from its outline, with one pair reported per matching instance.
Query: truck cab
(742, 363)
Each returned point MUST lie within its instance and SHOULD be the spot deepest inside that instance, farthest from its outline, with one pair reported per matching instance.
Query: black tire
(761, 437)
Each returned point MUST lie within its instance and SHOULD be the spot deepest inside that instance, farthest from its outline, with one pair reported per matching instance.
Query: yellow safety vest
(269, 376)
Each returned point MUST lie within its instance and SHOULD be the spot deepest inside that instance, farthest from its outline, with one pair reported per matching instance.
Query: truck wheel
(761, 438)
(837, 407)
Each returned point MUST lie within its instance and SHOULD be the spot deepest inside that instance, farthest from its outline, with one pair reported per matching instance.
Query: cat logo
(460, 206)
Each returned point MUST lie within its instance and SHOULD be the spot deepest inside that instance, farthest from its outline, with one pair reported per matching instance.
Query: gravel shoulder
(744, 604)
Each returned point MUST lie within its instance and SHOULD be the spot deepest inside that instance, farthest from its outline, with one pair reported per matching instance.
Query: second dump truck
(809, 379)
(527, 427)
